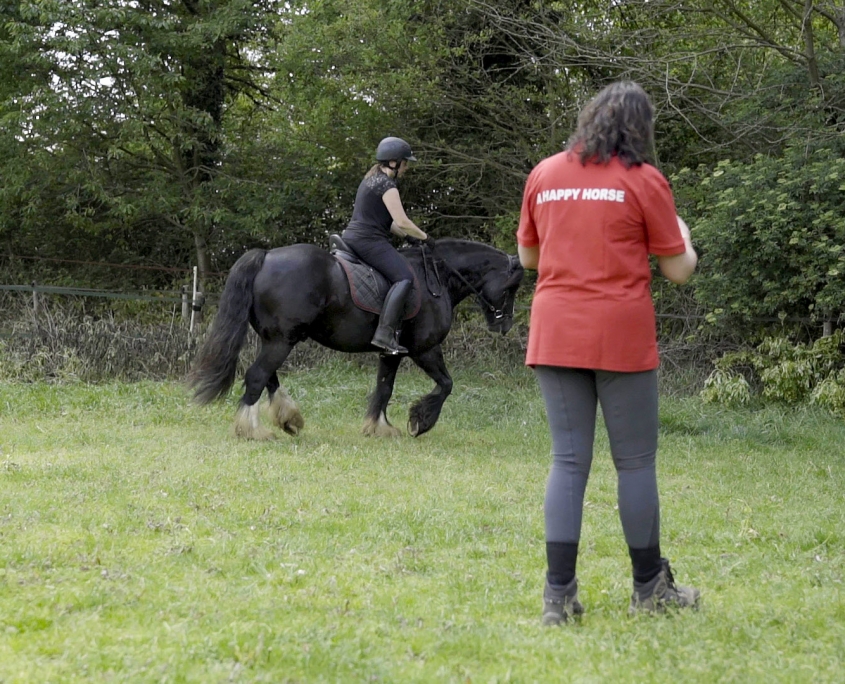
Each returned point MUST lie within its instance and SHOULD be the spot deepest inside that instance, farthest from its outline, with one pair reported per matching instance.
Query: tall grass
(142, 542)
(72, 341)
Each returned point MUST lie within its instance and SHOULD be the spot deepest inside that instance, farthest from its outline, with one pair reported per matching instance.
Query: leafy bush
(771, 233)
(783, 372)
(726, 387)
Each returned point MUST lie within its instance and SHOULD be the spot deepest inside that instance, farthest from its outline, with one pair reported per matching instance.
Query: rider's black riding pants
(376, 250)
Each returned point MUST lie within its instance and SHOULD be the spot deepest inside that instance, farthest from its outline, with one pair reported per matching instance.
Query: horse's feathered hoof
(284, 412)
(421, 418)
(247, 425)
(380, 427)
(294, 425)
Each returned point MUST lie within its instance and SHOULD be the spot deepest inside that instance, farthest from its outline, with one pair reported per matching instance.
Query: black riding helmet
(394, 149)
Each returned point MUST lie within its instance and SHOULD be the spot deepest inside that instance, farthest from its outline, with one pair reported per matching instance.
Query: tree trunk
(203, 258)
(809, 45)
(838, 14)
(205, 93)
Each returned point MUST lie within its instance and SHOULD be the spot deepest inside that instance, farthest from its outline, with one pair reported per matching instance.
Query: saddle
(367, 286)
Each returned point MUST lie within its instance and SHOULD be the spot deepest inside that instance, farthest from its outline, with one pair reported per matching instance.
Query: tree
(157, 129)
(128, 103)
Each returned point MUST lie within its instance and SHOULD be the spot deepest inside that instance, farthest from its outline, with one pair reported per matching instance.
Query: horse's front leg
(375, 422)
(424, 414)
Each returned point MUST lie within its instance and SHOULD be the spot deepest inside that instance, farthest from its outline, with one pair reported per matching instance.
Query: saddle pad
(369, 288)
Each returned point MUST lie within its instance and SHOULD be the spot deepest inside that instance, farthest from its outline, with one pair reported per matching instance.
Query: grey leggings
(629, 406)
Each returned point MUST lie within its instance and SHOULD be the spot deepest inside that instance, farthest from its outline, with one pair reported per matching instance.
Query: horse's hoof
(293, 426)
(380, 428)
(283, 412)
(247, 425)
(413, 429)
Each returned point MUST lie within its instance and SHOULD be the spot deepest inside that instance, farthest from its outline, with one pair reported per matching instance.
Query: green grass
(141, 542)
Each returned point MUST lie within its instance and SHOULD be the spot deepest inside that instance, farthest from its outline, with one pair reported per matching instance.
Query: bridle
(498, 314)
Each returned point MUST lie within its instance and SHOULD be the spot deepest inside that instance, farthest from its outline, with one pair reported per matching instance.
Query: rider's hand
(429, 241)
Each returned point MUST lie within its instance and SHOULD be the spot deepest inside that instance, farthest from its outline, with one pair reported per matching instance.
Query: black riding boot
(387, 333)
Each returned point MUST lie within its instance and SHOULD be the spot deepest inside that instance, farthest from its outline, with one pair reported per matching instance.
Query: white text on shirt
(565, 194)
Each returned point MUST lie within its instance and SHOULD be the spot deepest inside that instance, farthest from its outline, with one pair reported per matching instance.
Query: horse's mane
(409, 250)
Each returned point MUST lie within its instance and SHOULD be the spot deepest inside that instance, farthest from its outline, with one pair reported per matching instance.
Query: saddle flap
(369, 287)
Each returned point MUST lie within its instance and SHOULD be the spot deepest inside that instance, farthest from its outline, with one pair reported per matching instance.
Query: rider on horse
(377, 213)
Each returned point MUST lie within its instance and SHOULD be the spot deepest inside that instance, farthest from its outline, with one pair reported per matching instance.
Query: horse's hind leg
(376, 423)
(247, 422)
(425, 412)
(283, 410)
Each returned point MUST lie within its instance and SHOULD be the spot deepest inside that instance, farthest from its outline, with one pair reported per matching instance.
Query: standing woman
(590, 217)
(377, 213)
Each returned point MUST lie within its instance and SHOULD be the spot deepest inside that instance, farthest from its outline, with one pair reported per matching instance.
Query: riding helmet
(394, 149)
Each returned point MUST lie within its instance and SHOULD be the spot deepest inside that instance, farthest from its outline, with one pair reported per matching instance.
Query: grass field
(141, 543)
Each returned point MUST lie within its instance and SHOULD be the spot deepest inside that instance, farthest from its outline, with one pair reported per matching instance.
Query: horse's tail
(214, 368)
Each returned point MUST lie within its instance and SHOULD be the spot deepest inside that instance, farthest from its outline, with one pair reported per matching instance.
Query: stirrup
(394, 349)
(388, 350)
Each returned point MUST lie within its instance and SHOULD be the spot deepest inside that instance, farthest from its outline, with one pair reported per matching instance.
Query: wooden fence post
(185, 304)
(194, 307)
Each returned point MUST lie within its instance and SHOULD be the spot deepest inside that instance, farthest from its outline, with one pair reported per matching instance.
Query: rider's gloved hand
(429, 241)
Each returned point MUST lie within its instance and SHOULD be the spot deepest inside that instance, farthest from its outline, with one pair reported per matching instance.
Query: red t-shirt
(595, 226)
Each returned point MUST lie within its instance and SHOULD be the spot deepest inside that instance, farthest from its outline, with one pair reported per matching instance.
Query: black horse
(290, 294)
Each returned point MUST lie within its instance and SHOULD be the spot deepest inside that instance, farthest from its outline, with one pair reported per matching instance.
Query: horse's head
(498, 292)
(486, 273)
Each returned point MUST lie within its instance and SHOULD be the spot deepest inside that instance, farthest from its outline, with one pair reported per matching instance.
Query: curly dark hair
(618, 121)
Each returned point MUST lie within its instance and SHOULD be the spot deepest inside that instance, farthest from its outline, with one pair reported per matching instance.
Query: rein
(497, 313)
(434, 268)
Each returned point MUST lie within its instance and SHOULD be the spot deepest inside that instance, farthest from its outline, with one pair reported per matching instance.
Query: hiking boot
(662, 593)
(561, 603)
